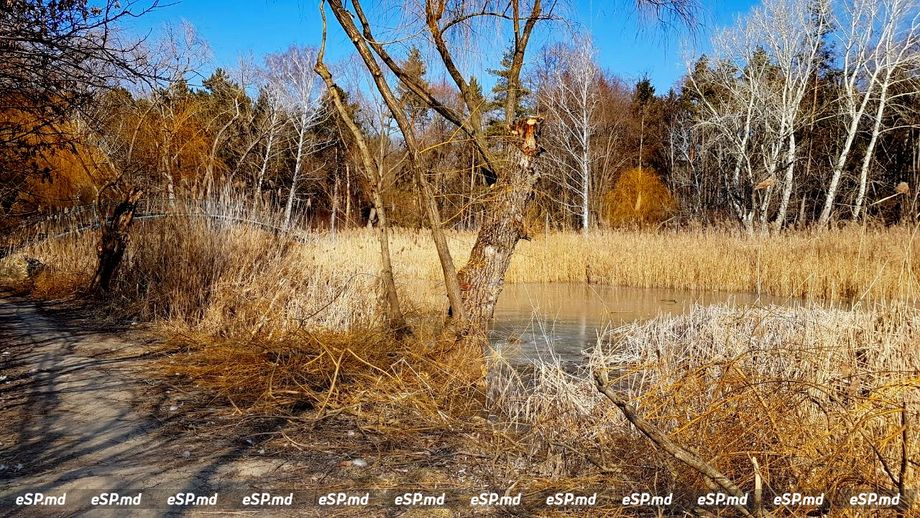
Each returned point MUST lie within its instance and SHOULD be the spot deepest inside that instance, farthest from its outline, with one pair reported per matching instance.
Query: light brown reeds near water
(280, 323)
(826, 400)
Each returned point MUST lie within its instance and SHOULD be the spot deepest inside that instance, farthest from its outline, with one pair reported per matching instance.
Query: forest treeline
(804, 112)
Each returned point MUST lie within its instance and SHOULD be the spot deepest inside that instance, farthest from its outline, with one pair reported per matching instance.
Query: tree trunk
(482, 279)
(289, 205)
(852, 129)
(335, 205)
(257, 190)
(870, 150)
(375, 174)
(780, 220)
(585, 177)
(397, 320)
(347, 196)
(114, 241)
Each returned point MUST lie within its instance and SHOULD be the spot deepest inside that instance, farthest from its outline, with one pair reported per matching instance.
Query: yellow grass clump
(638, 198)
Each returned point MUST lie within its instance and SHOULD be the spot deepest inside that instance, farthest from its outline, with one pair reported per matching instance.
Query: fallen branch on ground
(662, 441)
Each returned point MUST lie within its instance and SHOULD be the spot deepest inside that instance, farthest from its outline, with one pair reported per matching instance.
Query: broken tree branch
(662, 441)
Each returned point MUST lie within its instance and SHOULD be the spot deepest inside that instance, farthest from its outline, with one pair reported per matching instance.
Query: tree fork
(373, 171)
(362, 45)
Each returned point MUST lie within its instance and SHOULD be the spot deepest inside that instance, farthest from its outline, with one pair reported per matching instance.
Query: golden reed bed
(218, 276)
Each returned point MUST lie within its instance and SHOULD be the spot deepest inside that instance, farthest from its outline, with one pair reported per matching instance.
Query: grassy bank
(288, 325)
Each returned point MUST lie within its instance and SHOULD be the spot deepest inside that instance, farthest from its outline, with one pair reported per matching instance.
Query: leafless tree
(374, 167)
(570, 99)
(474, 290)
(764, 64)
(879, 41)
(299, 91)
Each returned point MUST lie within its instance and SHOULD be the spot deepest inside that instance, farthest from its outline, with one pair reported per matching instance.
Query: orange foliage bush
(638, 198)
(61, 170)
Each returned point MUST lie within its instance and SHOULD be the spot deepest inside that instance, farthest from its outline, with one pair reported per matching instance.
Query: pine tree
(478, 103)
(416, 108)
(501, 88)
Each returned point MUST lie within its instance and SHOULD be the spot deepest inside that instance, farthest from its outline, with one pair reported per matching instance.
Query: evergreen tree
(415, 67)
(502, 86)
(478, 103)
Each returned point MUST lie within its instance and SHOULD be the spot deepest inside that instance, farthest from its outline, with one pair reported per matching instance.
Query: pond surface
(533, 322)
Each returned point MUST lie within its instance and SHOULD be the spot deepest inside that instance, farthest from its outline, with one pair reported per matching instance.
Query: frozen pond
(534, 320)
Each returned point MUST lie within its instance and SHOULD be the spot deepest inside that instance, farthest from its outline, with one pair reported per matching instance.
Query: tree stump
(113, 241)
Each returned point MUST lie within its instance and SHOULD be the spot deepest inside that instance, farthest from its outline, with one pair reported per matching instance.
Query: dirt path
(77, 417)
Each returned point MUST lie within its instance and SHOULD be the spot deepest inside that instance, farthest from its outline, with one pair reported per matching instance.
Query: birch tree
(570, 99)
(730, 109)
(764, 64)
(791, 32)
(878, 38)
(299, 91)
(896, 60)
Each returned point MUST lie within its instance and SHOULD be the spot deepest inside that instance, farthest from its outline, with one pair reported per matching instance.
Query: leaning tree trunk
(114, 241)
(482, 279)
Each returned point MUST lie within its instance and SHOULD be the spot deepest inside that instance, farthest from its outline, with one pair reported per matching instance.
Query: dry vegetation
(285, 325)
(823, 399)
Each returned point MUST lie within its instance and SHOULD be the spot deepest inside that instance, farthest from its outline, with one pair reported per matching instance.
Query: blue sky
(627, 44)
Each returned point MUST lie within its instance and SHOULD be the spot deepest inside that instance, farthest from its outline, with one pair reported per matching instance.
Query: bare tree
(570, 100)
(731, 102)
(878, 40)
(791, 32)
(269, 126)
(373, 168)
(299, 91)
(474, 290)
(896, 61)
(764, 65)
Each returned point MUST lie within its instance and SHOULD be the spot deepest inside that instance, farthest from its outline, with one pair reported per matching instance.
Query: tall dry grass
(263, 318)
(850, 264)
(194, 267)
(285, 322)
(817, 396)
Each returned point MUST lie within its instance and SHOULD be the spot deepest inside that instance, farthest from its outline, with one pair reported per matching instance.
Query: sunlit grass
(281, 324)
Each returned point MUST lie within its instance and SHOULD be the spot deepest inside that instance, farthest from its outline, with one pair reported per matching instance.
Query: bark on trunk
(114, 241)
(375, 174)
(397, 320)
(482, 279)
(870, 150)
(787, 184)
(257, 190)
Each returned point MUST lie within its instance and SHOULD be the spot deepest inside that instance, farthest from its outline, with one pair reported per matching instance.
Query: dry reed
(283, 323)
(815, 395)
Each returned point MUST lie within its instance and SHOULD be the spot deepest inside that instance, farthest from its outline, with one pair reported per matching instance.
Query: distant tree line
(803, 113)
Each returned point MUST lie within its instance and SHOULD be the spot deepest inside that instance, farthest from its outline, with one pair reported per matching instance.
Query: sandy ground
(77, 416)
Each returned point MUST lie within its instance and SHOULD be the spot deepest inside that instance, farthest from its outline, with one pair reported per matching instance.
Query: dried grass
(281, 324)
(816, 395)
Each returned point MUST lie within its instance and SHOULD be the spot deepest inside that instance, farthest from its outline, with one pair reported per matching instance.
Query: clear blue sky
(627, 44)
